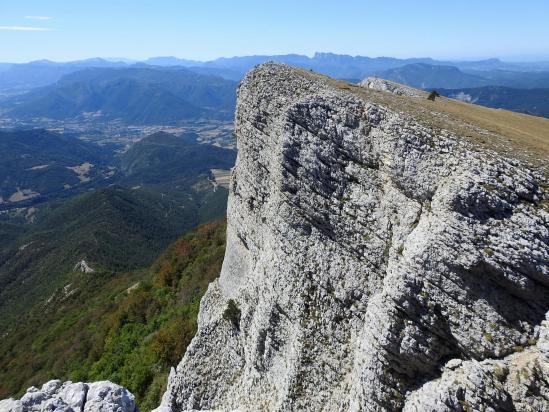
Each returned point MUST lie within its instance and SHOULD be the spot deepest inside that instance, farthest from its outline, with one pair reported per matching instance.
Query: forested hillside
(127, 326)
(114, 229)
(37, 164)
(168, 160)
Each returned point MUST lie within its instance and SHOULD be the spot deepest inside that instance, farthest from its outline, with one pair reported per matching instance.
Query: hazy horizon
(130, 60)
(60, 30)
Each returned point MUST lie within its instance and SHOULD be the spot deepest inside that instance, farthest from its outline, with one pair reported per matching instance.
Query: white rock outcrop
(517, 382)
(103, 396)
(377, 83)
(82, 266)
(373, 262)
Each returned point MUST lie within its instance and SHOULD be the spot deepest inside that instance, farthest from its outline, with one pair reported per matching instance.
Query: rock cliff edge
(377, 259)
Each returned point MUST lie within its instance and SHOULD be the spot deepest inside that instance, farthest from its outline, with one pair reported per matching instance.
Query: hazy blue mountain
(135, 95)
(98, 62)
(513, 78)
(496, 64)
(336, 65)
(531, 101)
(350, 67)
(228, 74)
(5, 66)
(23, 77)
(425, 76)
(171, 61)
(20, 77)
(16, 78)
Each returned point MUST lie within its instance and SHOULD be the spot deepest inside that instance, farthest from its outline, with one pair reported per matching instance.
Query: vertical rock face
(373, 262)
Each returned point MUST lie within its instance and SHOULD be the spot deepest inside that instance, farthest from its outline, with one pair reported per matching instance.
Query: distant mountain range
(530, 101)
(344, 66)
(135, 95)
(427, 76)
(169, 90)
(16, 78)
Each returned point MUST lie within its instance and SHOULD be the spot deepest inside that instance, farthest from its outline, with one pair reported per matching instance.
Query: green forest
(128, 327)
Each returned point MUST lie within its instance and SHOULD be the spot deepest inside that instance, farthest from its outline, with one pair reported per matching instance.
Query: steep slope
(114, 229)
(383, 253)
(129, 328)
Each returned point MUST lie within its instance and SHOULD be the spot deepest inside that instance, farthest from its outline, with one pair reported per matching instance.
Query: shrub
(433, 95)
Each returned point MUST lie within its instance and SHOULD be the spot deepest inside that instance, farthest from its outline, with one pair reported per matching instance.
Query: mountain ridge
(136, 95)
(18, 77)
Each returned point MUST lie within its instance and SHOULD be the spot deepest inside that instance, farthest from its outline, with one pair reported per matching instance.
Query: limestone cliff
(383, 253)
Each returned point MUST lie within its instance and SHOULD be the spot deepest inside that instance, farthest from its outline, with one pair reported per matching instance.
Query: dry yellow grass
(515, 135)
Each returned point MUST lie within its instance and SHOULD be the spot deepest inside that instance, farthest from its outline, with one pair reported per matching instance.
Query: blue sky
(74, 29)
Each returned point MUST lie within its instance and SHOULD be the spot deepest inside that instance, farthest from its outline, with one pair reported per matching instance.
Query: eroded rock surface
(103, 396)
(375, 263)
(377, 83)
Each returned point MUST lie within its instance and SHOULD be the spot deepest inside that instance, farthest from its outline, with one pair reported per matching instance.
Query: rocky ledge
(376, 260)
(379, 84)
(56, 396)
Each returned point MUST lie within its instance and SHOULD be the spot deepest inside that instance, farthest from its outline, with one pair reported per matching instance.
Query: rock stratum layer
(375, 261)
